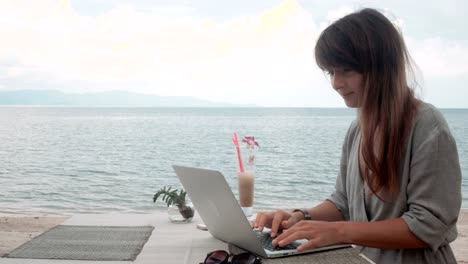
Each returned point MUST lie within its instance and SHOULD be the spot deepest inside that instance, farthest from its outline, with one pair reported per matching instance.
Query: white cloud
(243, 59)
(14, 71)
(265, 59)
(440, 58)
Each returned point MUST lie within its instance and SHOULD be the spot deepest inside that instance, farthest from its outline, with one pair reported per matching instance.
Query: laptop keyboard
(266, 241)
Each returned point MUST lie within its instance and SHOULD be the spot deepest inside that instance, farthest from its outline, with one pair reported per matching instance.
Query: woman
(398, 193)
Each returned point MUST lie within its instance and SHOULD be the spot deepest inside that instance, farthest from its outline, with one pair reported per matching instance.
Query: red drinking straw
(235, 139)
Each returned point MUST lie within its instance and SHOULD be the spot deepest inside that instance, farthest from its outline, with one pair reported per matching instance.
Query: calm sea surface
(76, 160)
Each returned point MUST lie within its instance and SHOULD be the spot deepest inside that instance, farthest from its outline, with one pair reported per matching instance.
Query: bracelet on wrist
(305, 212)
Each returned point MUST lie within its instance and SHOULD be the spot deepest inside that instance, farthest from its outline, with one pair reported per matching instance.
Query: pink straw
(235, 139)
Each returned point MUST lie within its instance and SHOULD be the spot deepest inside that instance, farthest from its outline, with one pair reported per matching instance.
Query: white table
(172, 243)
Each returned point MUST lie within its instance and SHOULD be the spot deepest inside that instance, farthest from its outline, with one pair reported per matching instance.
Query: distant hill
(111, 98)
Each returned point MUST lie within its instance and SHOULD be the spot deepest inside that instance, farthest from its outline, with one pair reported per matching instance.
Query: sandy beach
(18, 229)
(15, 230)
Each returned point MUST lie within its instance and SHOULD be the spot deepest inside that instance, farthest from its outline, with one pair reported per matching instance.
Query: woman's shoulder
(428, 117)
(430, 124)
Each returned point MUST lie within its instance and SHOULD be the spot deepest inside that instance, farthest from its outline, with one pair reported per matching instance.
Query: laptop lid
(218, 207)
(222, 214)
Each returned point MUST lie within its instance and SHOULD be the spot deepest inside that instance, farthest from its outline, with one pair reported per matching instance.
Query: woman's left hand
(318, 233)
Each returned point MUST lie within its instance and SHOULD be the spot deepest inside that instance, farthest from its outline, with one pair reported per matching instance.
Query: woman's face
(348, 83)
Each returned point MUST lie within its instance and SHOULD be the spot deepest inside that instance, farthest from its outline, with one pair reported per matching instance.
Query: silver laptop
(221, 213)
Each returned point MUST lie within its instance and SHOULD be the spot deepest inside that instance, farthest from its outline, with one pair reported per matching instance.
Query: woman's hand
(276, 221)
(318, 233)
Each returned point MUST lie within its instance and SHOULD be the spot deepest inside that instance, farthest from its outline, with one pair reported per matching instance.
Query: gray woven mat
(86, 243)
(336, 256)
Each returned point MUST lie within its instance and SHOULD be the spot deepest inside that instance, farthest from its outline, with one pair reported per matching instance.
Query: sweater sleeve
(434, 187)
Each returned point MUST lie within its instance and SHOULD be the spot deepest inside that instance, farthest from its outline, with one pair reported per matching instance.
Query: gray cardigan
(430, 190)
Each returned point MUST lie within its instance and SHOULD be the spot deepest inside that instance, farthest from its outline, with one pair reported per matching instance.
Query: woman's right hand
(276, 221)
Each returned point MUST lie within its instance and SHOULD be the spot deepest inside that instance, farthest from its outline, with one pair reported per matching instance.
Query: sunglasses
(222, 257)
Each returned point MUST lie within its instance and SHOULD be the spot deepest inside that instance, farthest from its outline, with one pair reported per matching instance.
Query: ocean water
(96, 160)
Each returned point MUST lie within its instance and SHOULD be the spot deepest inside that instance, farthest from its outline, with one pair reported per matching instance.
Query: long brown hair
(367, 42)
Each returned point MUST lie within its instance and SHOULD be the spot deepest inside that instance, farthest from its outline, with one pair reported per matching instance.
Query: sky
(242, 51)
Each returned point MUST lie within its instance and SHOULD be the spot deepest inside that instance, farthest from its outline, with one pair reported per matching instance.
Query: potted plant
(175, 197)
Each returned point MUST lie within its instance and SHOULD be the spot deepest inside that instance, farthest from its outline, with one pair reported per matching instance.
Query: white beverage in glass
(246, 191)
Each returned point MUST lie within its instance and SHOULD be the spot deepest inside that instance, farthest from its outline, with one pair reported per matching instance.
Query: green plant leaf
(171, 196)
